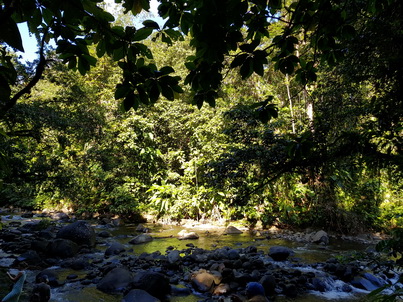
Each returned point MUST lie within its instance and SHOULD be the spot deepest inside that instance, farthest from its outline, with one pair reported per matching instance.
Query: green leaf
(83, 65)
(250, 47)
(72, 63)
(90, 59)
(166, 70)
(35, 21)
(258, 67)
(11, 34)
(101, 48)
(143, 95)
(167, 92)
(142, 34)
(154, 91)
(190, 65)
(118, 54)
(122, 90)
(174, 34)
(239, 60)
(247, 68)
(186, 22)
(129, 102)
(177, 88)
(151, 24)
(47, 16)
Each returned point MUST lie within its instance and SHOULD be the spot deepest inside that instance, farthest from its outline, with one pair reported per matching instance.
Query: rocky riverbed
(105, 260)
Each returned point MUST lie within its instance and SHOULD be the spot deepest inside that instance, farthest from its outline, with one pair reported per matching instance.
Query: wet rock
(232, 230)
(233, 254)
(280, 253)
(30, 257)
(142, 229)
(363, 283)
(156, 284)
(173, 256)
(117, 222)
(115, 249)
(59, 216)
(255, 292)
(319, 285)
(186, 235)
(139, 295)
(221, 289)
(320, 237)
(374, 280)
(116, 280)
(79, 232)
(62, 248)
(269, 284)
(104, 234)
(203, 281)
(140, 239)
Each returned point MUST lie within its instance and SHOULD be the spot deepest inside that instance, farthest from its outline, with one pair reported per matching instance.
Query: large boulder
(62, 248)
(156, 284)
(320, 237)
(204, 281)
(115, 249)
(139, 295)
(115, 281)
(185, 235)
(280, 253)
(232, 230)
(79, 232)
(140, 239)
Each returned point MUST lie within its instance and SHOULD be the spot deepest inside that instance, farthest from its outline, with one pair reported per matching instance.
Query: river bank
(193, 261)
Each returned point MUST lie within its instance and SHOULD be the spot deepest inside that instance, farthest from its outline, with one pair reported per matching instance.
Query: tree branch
(40, 68)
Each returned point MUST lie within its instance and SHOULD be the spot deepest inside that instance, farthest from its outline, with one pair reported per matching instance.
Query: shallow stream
(165, 237)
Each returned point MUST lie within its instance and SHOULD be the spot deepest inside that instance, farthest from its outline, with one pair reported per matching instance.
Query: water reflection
(166, 237)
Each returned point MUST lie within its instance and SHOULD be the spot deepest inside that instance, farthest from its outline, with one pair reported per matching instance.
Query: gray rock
(117, 280)
(185, 235)
(142, 238)
(104, 234)
(115, 249)
(59, 216)
(280, 253)
(232, 230)
(269, 284)
(173, 256)
(80, 232)
(155, 284)
(62, 248)
(320, 237)
(363, 283)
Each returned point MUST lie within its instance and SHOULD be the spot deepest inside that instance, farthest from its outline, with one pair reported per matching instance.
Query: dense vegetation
(304, 127)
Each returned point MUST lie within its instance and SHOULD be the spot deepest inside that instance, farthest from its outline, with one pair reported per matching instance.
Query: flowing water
(165, 237)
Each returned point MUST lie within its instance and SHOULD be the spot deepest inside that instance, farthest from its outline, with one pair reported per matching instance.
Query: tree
(217, 29)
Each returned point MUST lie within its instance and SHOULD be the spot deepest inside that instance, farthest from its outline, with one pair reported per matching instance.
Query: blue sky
(30, 44)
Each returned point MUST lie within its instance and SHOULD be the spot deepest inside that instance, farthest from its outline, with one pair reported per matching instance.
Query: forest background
(294, 121)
